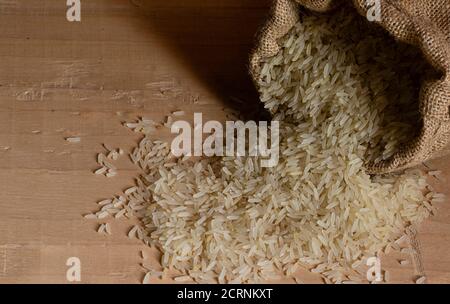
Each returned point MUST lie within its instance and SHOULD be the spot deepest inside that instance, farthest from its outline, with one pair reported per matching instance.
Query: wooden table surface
(123, 60)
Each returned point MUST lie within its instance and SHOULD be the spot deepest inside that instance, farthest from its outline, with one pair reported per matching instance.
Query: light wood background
(124, 59)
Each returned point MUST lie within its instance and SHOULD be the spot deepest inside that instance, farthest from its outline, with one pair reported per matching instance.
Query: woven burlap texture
(423, 23)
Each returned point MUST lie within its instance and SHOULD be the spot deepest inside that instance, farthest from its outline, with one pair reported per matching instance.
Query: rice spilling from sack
(229, 220)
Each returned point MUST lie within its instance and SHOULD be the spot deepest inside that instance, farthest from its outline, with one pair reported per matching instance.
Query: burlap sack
(423, 23)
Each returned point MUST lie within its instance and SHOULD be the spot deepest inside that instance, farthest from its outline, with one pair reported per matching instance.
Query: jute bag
(423, 23)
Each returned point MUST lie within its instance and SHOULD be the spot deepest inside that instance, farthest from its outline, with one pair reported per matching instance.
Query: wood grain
(124, 59)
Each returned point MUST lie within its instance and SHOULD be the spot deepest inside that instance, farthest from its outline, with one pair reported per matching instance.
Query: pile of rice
(228, 220)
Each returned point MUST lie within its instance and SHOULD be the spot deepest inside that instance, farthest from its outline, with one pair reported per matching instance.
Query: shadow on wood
(214, 38)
